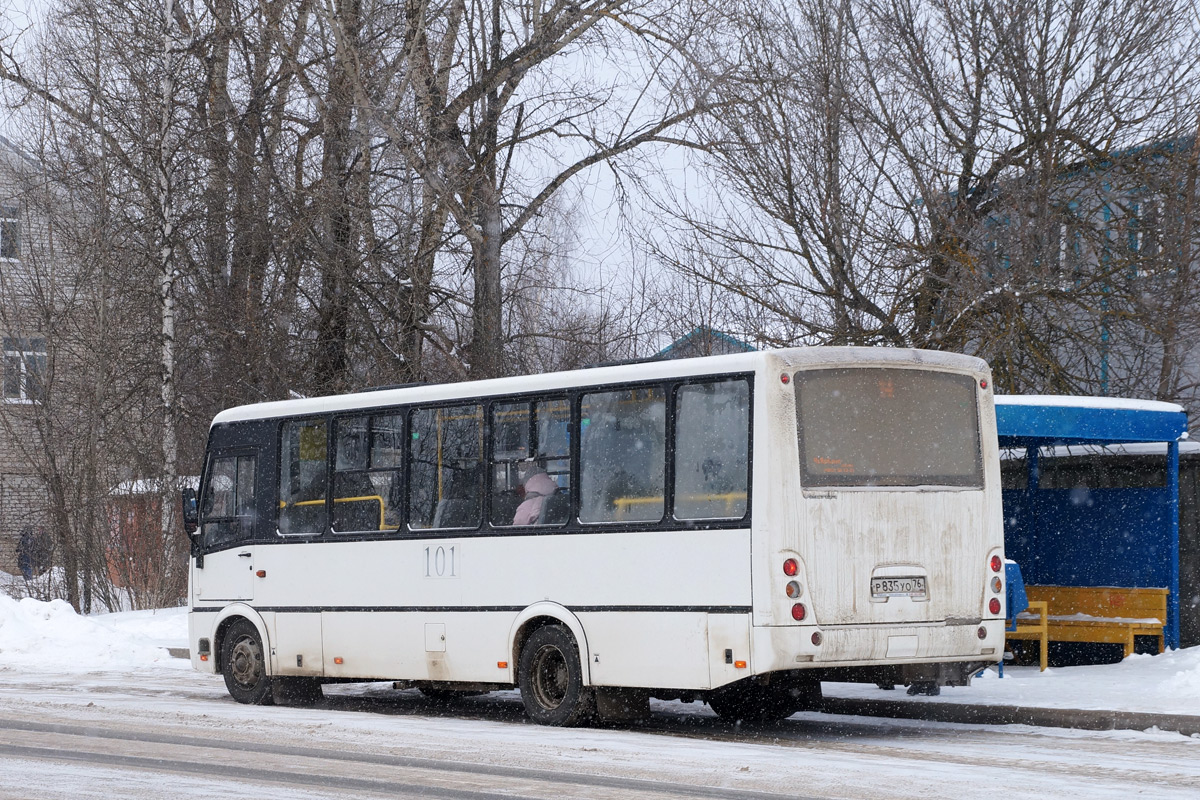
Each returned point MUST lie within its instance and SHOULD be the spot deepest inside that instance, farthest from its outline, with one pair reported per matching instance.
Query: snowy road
(165, 731)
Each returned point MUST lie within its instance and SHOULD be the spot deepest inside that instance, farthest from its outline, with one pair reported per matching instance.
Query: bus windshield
(888, 427)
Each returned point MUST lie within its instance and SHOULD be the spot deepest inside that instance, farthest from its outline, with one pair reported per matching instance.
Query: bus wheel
(750, 703)
(551, 679)
(244, 665)
(296, 691)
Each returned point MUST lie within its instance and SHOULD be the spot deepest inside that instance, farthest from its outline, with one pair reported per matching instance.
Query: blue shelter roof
(1044, 420)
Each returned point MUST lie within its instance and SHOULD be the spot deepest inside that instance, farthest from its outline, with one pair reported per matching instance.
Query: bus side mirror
(191, 513)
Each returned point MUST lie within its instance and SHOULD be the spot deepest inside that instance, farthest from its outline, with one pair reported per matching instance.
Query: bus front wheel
(551, 679)
(243, 663)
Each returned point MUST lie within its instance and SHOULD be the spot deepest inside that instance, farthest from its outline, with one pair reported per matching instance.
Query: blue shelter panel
(1089, 537)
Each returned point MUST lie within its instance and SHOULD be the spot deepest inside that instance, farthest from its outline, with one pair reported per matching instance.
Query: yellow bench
(1105, 614)
(1033, 624)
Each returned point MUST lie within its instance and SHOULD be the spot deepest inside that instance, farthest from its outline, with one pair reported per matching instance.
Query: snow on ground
(1164, 684)
(52, 638)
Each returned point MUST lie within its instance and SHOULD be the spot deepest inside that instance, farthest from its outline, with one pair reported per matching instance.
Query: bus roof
(596, 376)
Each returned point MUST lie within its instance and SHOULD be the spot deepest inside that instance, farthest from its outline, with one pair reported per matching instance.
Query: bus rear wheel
(244, 665)
(551, 679)
(753, 703)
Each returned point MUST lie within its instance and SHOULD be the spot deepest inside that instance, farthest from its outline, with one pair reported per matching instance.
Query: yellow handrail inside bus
(625, 504)
(383, 526)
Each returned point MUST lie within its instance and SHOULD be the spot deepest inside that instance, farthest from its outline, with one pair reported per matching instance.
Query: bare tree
(792, 231)
(1012, 113)
(957, 174)
(494, 130)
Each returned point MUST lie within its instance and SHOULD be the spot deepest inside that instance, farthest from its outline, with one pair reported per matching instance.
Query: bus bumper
(805, 646)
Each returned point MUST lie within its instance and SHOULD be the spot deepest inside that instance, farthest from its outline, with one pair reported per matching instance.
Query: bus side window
(445, 463)
(622, 455)
(712, 429)
(227, 510)
(552, 425)
(302, 478)
(367, 477)
(531, 463)
(512, 460)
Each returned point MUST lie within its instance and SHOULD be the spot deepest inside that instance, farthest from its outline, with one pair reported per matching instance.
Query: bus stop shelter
(1089, 536)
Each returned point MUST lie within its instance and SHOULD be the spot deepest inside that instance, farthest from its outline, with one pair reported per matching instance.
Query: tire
(296, 691)
(551, 679)
(755, 704)
(243, 663)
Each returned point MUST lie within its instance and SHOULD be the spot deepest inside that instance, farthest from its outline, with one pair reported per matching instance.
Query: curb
(178, 652)
(1082, 719)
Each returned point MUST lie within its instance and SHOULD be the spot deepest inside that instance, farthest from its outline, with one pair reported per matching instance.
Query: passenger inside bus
(539, 487)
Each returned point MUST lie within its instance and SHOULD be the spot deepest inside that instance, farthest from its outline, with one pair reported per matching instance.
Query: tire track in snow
(426, 777)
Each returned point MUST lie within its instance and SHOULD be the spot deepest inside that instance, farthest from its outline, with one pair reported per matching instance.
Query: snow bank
(1163, 684)
(51, 637)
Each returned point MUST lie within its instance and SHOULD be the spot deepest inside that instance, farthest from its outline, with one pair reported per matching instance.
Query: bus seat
(454, 512)
(555, 509)
(504, 507)
(358, 514)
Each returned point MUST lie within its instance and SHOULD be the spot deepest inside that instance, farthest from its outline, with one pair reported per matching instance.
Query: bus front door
(226, 575)
(228, 509)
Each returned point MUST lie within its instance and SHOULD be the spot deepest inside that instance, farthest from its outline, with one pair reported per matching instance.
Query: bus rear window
(888, 427)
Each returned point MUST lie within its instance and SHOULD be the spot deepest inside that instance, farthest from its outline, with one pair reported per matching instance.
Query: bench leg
(1044, 646)
(1129, 645)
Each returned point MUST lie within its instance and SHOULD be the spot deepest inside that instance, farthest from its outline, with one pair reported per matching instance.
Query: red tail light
(994, 605)
(799, 612)
(791, 567)
(997, 563)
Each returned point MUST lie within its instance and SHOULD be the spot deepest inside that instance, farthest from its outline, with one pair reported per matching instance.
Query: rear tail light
(997, 585)
(792, 589)
(791, 567)
(994, 605)
(997, 563)
(982, 632)
(799, 612)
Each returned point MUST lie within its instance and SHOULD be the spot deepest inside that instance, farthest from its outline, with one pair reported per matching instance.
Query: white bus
(733, 529)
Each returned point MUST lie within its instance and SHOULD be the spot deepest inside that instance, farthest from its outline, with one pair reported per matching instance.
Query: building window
(24, 369)
(10, 232)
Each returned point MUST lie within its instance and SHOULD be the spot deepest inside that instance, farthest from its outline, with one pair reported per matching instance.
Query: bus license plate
(898, 587)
